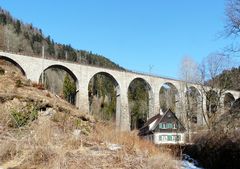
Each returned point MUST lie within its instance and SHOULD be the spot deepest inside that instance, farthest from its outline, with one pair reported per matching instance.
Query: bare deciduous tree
(232, 26)
(189, 70)
(188, 74)
(213, 87)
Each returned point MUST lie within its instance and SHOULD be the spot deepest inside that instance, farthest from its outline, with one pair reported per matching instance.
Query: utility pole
(66, 55)
(42, 64)
(8, 44)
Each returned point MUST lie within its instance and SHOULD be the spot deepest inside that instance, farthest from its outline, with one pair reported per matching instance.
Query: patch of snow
(114, 147)
(76, 133)
(189, 163)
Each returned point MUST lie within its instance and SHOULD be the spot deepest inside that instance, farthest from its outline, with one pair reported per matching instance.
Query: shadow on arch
(61, 81)
(8, 61)
(140, 102)
(104, 97)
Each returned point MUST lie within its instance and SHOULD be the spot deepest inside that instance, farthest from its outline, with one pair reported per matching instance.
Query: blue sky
(136, 34)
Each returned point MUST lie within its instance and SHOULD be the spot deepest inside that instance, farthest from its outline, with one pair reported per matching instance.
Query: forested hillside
(234, 77)
(231, 77)
(19, 37)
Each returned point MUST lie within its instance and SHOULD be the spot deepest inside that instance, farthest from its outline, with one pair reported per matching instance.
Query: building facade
(163, 128)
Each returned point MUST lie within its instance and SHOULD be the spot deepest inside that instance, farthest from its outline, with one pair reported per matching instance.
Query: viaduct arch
(43, 78)
(32, 68)
(117, 91)
(14, 63)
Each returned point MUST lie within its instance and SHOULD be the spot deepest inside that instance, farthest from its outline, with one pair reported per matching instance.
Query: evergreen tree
(139, 103)
(69, 90)
(17, 27)
(3, 19)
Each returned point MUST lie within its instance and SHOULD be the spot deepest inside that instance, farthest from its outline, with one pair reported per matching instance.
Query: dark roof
(152, 119)
(145, 129)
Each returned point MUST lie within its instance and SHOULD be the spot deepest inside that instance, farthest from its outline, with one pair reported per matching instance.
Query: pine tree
(17, 27)
(69, 89)
(3, 19)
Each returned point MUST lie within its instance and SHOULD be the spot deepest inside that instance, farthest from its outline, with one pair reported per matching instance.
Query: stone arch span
(58, 66)
(169, 97)
(14, 63)
(104, 96)
(212, 101)
(140, 102)
(228, 100)
(193, 106)
(53, 77)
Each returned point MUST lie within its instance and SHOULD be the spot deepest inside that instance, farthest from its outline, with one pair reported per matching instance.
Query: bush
(21, 118)
(48, 95)
(77, 123)
(61, 118)
(2, 71)
(18, 83)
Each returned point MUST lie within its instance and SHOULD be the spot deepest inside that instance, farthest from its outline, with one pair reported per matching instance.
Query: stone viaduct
(32, 67)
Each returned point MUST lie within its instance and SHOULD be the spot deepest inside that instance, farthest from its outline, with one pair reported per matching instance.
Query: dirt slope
(40, 130)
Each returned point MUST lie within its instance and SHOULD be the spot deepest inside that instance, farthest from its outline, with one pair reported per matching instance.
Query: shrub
(21, 118)
(18, 119)
(41, 157)
(18, 83)
(2, 71)
(77, 123)
(48, 95)
(61, 118)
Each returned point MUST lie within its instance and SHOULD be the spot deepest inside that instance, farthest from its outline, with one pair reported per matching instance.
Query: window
(174, 126)
(162, 125)
(169, 138)
(174, 138)
(169, 125)
(177, 138)
(160, 138)
(164, 138)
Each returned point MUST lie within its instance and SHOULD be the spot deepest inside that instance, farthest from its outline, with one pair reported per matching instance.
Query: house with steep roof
(163, 128)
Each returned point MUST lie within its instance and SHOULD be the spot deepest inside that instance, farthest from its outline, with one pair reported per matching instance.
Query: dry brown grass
(38, 86)
(8, 151)
(153, 156)
(50, 142)
(44, 144)
(163, 160)
(108, 133)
